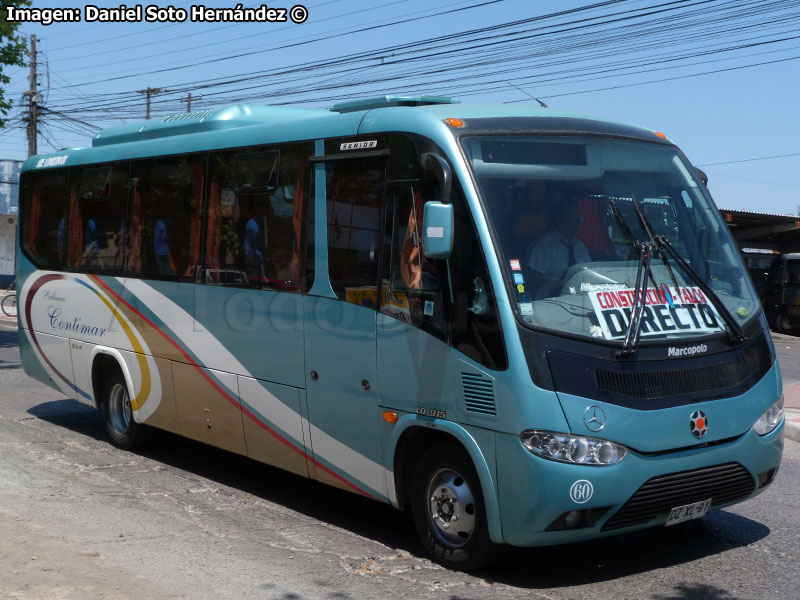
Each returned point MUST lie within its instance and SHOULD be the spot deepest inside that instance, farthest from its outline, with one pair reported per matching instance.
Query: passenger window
(255, 215)
(354, 197)
(411, 291)
(98, 203)
(166, 218)
(44, 226)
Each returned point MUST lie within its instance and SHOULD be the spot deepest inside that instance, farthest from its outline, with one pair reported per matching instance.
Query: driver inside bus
(557, 250)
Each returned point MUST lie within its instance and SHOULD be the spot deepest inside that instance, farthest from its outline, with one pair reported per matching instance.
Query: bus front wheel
(448, 510)
(124, 432)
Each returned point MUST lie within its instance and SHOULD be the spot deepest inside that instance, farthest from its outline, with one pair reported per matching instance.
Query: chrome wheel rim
(786, 324)
(119, 409)
(450, 507)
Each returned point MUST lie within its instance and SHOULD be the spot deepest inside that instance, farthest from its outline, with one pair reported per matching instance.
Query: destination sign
(666, 311)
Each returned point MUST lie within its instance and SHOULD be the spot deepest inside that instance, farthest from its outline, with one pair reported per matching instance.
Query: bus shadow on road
(618, 557)
(569, 565)
(316, 500)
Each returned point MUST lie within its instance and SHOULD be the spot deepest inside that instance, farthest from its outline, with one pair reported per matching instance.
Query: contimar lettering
(75, 325)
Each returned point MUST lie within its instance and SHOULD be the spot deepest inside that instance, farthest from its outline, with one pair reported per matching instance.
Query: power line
(744, 160)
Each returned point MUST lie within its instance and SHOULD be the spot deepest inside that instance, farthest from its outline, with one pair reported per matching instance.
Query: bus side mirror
(437, 230)
(437, 167)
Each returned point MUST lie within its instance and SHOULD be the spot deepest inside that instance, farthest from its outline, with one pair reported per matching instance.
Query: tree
(13, 50)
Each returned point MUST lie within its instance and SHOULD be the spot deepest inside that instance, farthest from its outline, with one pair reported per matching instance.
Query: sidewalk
(791, 404)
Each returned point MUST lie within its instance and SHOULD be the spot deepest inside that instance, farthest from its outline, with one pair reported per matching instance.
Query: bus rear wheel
(448, 510)
(783, 324)
(124, 432)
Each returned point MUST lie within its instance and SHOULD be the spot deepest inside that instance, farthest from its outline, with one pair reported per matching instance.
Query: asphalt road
(80, 519)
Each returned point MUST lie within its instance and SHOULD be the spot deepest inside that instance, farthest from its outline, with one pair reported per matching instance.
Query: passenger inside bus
(161, 248)
(255, 241)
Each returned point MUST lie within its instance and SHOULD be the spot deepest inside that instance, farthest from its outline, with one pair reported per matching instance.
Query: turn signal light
(390, 417)
(454, 122)
(659, 134)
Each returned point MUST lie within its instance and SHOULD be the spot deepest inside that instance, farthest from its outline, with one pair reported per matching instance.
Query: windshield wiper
(661, 242)
(649, 231)
(631, 341)
(735, 330)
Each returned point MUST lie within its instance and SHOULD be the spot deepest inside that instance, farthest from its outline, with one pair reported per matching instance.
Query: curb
(791, 428)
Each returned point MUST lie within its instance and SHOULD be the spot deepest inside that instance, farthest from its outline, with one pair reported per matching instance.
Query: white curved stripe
(209, 350)
(348, 460)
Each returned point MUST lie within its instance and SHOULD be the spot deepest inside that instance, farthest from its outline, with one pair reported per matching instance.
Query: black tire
(9, 305)
(782, 323)
(123, 431)
(447, 472)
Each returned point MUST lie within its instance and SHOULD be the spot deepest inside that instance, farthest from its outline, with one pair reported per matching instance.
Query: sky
(721, 78)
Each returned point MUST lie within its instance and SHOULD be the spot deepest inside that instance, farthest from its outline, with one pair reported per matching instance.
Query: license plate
(687, 512)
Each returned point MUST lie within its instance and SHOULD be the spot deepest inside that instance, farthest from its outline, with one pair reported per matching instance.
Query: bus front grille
(660, 384)
(722, 483)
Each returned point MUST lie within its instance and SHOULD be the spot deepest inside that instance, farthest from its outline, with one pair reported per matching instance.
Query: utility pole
(189, 102)
(33, 99)
(151, 92)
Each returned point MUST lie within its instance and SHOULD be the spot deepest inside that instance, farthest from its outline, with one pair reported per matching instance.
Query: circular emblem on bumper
(594, 418)
(698, 424)
(581, 491)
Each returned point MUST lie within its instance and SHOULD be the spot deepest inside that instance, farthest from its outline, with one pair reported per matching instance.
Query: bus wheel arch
(111, 388)
(413, 441)
(105, 361)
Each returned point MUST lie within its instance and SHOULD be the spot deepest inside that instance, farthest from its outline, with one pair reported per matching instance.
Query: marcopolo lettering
(688, 351)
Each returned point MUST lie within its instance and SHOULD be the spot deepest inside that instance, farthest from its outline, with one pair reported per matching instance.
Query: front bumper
(535, 492)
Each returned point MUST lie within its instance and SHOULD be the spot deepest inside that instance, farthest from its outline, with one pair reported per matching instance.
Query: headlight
(770, 419)
(575, 449)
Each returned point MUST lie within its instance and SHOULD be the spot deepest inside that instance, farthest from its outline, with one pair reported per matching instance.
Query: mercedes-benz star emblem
(594, 418)
(698, 424)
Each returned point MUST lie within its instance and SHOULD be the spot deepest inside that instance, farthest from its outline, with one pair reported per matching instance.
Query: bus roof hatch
(384, 101)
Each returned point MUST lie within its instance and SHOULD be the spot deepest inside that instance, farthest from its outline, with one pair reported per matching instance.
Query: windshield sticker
(526, 310)
(689, 312)
(428, 308)
(520, 288)
(515, 264)
(518, 278)
(601, 287)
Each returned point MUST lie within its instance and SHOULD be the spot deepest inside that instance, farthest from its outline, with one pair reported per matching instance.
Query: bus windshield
(564, 213)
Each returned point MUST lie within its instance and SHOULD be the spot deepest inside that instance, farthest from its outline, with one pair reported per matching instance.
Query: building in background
(9, 208)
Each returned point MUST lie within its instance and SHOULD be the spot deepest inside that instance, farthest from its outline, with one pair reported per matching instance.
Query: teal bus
(525, 327)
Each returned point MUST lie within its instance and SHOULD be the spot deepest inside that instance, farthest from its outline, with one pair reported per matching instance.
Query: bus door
(340, 324)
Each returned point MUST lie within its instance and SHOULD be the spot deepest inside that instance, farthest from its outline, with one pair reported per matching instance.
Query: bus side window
(43, 228)
(255, 213)
(411, 289)
(354, 197)
(95, 227)
(165, 218)
(474, 322)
